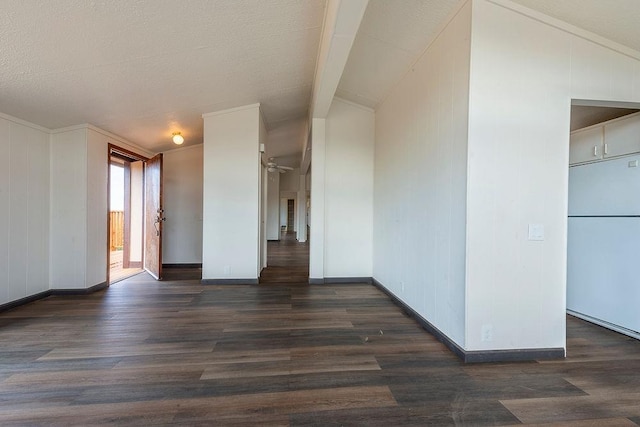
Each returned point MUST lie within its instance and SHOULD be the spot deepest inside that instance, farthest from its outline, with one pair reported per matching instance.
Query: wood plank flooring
(179, 353)
(287, 261)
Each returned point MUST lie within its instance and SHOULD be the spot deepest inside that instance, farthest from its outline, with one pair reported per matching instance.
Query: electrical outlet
(227, 270)
(402, 286)
(487, 333)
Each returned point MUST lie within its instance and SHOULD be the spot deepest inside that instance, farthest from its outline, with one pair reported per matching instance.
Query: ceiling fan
(272, 166)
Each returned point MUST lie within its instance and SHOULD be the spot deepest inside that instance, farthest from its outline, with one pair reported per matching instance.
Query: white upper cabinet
(622, 136)
(614, 138)
(586, 145)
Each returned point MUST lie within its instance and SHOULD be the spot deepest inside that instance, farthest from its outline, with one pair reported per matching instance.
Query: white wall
(78, 181)
(316, 220)
(283, 211)
(301, 213)
(262, 225)
(273, 206)
(231, 193)
(290, 180)
(262, 171)
(348, 198)
(68, 180)
(24, 209)
(420, 182)
(53, 207)
(182, 186)
(524, 74)
(97, 209)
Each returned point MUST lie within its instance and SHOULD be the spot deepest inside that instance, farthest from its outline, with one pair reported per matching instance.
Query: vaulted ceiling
(146, 68)
(616, 20)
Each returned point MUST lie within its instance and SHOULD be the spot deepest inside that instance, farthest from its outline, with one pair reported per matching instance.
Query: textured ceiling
(391, 37)
(145, 68)
(616, 20)
(285, 142)
(394, 33)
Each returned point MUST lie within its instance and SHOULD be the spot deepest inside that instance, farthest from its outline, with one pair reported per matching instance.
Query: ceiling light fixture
(178, 139)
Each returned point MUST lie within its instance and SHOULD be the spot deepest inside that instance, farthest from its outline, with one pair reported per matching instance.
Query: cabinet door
(622, 137)
(586, 145)
(602, 269)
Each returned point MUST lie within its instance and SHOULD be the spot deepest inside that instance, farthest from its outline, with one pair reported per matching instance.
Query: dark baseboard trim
(516, 355)
(339, 280)
(26, 300)
(426, 325)
(185, 265)
(85, 291)
(345, 280)
(40, 295)
(229, 281)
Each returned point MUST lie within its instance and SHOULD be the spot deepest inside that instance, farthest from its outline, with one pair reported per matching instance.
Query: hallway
(287, 261)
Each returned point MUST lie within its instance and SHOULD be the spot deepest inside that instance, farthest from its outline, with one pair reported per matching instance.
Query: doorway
(135, 218)
(125, 218)
(291, 209)
(287, 260)
(603, 223)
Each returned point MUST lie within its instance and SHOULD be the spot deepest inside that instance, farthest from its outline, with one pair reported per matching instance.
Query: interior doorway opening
(603, 224)
(291, 209)
(126, 203)
(287, 260)
(287, 257)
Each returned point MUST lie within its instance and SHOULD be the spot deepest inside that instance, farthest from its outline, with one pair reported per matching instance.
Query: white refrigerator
(603, 246)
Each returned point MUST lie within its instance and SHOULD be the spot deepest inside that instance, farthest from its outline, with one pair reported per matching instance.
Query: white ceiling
(616, 20)
(392, 35)
(145, 68)
(285, 142)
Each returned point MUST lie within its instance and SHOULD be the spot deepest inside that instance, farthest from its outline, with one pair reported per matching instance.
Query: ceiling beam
(306, 151)
(341, 23)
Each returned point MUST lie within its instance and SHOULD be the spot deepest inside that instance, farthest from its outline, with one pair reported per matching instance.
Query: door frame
(127, 156)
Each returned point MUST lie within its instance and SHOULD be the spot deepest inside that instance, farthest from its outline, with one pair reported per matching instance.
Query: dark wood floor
(287, 261)
(177, 352)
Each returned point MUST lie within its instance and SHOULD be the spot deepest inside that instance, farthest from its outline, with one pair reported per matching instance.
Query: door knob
(158, 220)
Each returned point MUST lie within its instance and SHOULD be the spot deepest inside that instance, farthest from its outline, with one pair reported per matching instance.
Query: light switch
(536, 232)
(633, 163)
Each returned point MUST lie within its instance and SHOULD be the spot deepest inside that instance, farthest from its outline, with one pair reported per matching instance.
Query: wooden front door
(154, 216)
